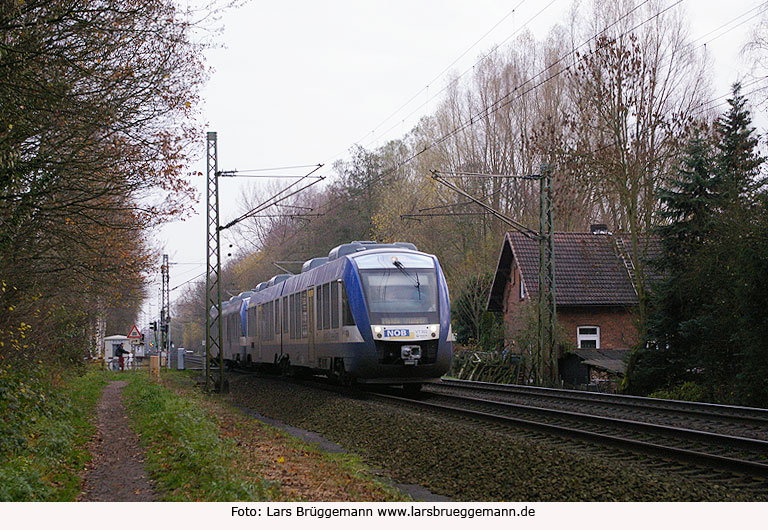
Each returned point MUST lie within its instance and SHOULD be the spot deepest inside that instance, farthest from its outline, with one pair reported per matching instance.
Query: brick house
(595, 294)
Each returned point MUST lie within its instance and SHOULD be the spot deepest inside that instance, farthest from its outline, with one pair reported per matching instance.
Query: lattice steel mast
(165, 311)
(547, 327)
(214, 362)
(544, 367)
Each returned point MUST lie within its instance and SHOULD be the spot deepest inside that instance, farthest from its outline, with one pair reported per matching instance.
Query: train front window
(394, 291)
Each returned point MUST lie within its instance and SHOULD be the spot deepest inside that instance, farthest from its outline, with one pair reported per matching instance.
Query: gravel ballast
(466, 461)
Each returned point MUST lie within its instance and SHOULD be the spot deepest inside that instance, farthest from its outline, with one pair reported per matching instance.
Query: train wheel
(412, 388)
(286, 370)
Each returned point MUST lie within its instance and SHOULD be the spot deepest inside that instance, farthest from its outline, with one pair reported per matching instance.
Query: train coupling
(410, 354)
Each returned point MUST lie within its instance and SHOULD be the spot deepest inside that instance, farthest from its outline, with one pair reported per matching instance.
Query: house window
(522, 290)
(588, 337)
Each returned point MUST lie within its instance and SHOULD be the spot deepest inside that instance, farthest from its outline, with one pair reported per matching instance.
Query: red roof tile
(588, 270)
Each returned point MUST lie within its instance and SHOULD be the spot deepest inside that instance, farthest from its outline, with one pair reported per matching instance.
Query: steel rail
(687, 455)
(709, 410)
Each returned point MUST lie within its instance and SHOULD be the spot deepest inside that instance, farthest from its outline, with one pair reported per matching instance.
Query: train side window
(291, 320)
(335, 305)
(270, 318)
(276, 330)
(304, 324)
(319, 307)
(297, 315)
(285, 314)
(347, 318)
(327, 306)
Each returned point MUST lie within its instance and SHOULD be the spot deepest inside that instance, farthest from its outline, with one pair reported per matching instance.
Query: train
(369, 313)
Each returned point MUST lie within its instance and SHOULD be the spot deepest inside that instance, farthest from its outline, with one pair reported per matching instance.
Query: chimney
(598, 229)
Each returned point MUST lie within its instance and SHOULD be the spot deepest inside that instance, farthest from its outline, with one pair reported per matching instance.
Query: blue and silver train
(369, 312)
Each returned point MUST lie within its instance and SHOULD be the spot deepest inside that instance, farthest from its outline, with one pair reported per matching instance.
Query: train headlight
(377, 329)
(433, 328)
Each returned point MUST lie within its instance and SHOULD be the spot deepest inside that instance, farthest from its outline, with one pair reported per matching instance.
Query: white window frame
(522, 289)
(588, 336)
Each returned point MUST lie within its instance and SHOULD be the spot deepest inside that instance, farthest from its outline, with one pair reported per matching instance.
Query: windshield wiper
(401, 268)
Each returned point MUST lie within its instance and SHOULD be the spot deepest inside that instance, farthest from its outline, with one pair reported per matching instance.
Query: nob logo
(396, 333)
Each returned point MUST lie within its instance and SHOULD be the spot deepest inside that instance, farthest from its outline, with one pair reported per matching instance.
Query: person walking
(119, 352)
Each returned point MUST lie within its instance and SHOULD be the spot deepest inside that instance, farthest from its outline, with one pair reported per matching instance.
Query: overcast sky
(300, 82)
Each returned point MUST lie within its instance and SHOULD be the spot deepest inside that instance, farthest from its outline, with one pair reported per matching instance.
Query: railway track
(663, 430)
(617, 421)
(659, 408)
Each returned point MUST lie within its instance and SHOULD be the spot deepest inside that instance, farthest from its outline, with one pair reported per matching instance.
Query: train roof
(360, 246)
(313, 263)
(322, 270)
(279, 278)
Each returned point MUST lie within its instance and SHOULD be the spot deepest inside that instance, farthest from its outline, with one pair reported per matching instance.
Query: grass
(186, 456)
(47, 465)
(295, 470)
(198, 447)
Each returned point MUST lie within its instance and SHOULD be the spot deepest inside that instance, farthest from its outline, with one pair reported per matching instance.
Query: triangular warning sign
(134, 334)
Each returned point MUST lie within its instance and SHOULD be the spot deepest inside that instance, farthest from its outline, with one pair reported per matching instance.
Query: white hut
(111, 343)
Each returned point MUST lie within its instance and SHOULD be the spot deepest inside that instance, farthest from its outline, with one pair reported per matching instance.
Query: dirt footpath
(116, 472)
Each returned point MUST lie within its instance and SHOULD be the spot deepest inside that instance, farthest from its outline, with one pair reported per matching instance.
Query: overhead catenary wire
(282, 168)
(460, 174)
(762, 7)
(438, 76)
(461, 127)
(490, 108)
(332, 204)
(527, 232)
(188, 281)
(245, 175)
(465, 72)
(275, 199)
(507, 39)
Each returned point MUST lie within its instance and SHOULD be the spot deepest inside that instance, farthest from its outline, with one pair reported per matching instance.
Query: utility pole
(546, 370)
(544, 361)
(165, 311)
(214, 362)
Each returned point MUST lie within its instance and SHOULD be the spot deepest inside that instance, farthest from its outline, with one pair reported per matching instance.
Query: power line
(273, 168)
(426, 88)
(496, 105)
(329, 207)
(275, 199)
(461, 174)
(762, 6)
(188, 281)
(459, 128)
(483, 58)
(500, 103)
(245, 175)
